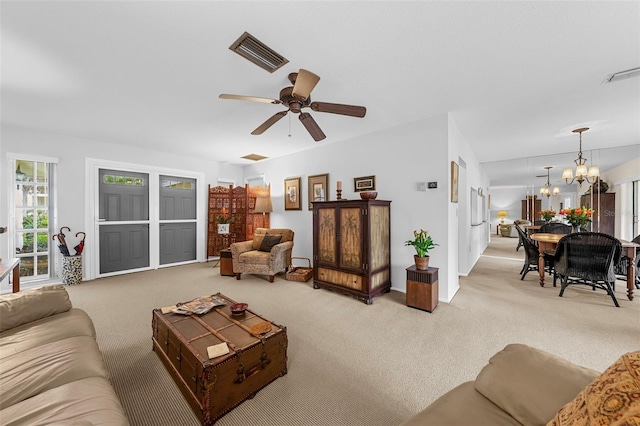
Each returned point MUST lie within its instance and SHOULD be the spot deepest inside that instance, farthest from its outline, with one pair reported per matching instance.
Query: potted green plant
(422, 242)
(223, 222)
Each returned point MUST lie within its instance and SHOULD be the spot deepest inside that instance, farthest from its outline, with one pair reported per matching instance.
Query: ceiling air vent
(257, 52)
(254, 157)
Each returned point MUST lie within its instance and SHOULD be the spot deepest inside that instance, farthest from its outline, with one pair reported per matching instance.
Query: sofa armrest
(26, 306)
(281, 248)
(242, 247)
(462, 405)
(531, 385)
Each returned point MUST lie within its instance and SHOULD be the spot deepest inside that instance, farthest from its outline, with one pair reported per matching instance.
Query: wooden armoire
(604, 211)
(239, 203)
(531, 208)
(352, 247)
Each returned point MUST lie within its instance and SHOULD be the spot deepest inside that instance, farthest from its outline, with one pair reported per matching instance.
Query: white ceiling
(517, 76)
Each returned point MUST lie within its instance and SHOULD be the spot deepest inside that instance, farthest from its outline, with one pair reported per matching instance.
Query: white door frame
(92, 259)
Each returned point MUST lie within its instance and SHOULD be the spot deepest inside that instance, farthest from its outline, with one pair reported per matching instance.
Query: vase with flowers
(223, 220)
(547, 215)
(422, 243)
(577, 217)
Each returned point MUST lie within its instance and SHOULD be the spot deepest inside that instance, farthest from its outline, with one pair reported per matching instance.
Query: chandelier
(546, 189)
(581, 167)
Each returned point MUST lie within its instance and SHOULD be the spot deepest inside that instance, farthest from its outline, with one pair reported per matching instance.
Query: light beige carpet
(349, 363)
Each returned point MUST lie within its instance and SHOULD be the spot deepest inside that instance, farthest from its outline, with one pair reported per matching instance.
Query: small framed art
(292, 194)
(454, 182)
(365, 183)
(318, 185)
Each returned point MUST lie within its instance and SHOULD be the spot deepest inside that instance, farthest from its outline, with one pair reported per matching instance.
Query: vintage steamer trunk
(352, 248)
(213, 387)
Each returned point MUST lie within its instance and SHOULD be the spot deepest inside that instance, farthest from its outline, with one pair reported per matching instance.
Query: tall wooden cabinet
(239, 203)
(352, 247)
(604, 210)
(530, 208)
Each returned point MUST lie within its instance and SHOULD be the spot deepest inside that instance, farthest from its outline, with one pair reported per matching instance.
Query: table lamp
(502, 214)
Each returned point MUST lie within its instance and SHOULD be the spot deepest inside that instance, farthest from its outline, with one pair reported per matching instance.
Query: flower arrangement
(422, 242)
(578, 216)
(547, 215)
(224, 218)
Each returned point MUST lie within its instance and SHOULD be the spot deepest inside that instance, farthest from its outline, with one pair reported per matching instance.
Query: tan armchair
(248, 257)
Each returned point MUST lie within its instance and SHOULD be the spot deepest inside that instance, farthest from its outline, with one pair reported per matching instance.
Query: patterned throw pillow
(613, 398)
(269, 241)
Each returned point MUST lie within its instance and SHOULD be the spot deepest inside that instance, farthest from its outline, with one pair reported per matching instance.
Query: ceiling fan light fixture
(258, 53)
(622, 75)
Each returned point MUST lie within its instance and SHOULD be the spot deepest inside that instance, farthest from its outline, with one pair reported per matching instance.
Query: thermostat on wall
(423, 186)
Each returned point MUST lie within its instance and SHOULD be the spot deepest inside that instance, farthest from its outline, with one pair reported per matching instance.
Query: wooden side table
(226, 263)
(11, 265)
(422, 288)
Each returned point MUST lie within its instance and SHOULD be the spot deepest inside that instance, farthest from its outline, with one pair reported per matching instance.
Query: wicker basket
(299, 273)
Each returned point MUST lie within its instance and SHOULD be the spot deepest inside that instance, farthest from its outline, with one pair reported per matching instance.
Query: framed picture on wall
(318, 185)
(365, 183)
(292, 194)
(454, 182)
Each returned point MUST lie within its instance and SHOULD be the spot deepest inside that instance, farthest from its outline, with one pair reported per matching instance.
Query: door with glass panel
(177, 219)
(32, 210)
(123, 221)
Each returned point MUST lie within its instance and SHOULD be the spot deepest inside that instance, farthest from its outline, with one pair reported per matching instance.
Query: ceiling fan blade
(312, 127)
(351, 110)
(305, 82)
(270, 122)
(249, 98)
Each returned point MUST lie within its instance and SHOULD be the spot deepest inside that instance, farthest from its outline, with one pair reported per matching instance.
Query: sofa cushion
(259, 233)
(92, 400)
(30, 305)
(461, 406)
(612, 398)
(34, 371)
(269, 241)
(74, 322)
(254, 257)
(531, 385)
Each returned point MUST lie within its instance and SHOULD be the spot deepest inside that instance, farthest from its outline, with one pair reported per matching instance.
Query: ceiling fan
(297, 97)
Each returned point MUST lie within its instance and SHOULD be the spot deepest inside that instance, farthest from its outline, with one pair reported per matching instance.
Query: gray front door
(124, 220)
(177, 219)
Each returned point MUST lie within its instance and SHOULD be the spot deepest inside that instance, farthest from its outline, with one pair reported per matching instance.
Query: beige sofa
(509, 229)
(257, 257)
(51, 370)
(522, 385)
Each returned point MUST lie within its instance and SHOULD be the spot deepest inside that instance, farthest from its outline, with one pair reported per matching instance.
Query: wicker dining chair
(587, 258)
(532, 255)
(520, 232)
(555, 228)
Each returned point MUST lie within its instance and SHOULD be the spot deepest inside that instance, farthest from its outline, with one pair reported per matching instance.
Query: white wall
(400, 158)
(620, 180)
(72, 153)
(470, 241)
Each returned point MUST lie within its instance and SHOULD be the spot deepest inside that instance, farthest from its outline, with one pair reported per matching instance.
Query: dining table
(532, 229)
(549, 242)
